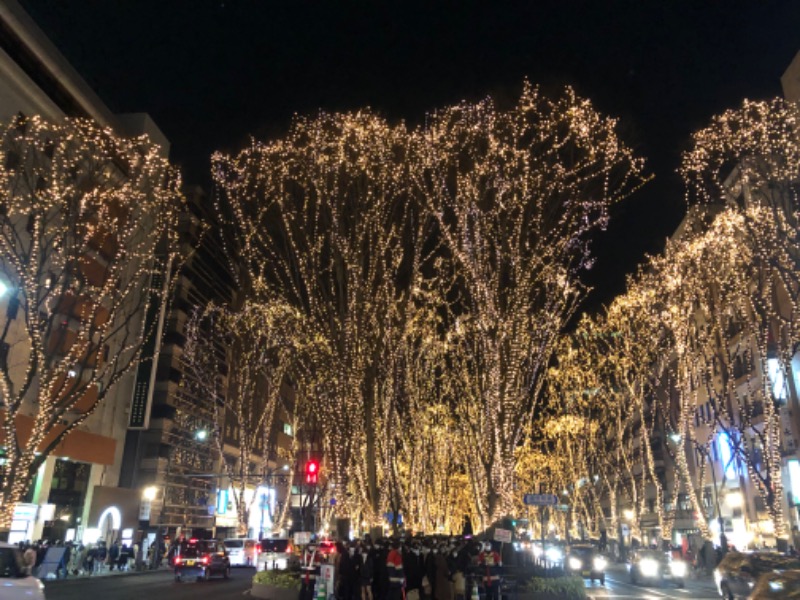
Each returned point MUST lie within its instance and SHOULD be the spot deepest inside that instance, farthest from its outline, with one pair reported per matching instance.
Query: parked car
(657, 567)
(202, 559)
(327, 548)
(777, 585)
(276, 553)
(15, 579)
(585, 561)
(242, 552)
(737, 573)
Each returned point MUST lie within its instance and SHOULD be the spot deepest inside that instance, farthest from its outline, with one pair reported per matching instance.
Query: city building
(75, 495)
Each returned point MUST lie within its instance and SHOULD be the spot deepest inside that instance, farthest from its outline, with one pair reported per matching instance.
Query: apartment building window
(287, 429)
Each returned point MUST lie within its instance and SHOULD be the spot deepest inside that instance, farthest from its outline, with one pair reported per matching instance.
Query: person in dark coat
(345, 572)
(113, 555)
(414, 570)
(366, 561)
(429, 566)
(380, 577)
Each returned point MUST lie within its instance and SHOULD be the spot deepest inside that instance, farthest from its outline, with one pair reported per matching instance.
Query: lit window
(287, 428)
(777, 378)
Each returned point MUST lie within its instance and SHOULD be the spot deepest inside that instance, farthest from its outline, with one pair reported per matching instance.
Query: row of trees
(413, 284)
(700, 347)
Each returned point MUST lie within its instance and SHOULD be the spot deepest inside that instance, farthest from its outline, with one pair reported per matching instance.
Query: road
(618, 588)
(158, 585)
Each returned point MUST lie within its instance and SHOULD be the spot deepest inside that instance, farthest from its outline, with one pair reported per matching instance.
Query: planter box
(271, 592)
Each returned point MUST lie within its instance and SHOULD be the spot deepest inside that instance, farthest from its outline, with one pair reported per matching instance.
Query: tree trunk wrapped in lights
(83, 216)
(720, 307)
(238, 360)
(515, 194)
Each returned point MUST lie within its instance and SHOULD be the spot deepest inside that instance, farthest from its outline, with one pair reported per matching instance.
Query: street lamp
(201, 435)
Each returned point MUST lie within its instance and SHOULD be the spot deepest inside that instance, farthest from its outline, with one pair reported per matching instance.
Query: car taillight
(204, 560)
(289, 549)
(177, 558)
(258, 548)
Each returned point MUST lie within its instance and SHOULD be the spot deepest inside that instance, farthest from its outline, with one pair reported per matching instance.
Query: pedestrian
(365, 570)
(443, 586)
(309, 571)
(113, 555)
(490, 562)
(395, 573)
(414, 569)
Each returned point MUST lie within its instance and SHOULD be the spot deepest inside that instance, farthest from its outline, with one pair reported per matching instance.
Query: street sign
(540, 499)
(502, 535)
(563, 507)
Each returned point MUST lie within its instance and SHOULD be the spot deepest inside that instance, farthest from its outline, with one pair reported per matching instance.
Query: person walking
(396, 574)
(365, 570)
(113, 555)
(490, 562)
(309, 571)
(443, 588)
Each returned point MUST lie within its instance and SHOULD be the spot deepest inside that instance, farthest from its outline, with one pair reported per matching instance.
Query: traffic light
(312, 471)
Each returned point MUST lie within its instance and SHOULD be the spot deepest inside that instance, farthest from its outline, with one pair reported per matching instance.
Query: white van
(243, 552)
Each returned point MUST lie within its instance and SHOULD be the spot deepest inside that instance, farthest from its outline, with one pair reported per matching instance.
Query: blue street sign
(540, 499)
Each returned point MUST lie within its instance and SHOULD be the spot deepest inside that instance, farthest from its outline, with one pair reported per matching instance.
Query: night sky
(213, 73)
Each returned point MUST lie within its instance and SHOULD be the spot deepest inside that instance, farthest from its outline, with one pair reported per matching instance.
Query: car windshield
(10, 563)
(652, 554)
(274, 545)
(234, 543)
(583, 551)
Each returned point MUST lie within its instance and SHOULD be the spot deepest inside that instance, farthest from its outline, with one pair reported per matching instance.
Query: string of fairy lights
(83, 217)
(419, 280)
(255, 346)
(717, 306)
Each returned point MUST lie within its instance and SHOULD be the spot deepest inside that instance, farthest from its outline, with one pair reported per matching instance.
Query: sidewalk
(106, 572)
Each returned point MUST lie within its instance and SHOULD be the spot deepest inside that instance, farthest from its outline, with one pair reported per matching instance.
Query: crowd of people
(78, 558)
(420, 568)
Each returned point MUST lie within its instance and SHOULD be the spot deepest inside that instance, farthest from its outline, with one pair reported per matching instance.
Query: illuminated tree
(515, 194)
(238, 360)
(324, 221)
(83, 216)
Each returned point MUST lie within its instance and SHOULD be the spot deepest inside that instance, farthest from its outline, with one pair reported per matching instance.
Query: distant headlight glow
(679, 568)
(554, 555)
(575, 563)
(649, 567)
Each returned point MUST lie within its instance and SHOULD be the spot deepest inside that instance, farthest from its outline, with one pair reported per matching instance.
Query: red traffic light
(312, 471)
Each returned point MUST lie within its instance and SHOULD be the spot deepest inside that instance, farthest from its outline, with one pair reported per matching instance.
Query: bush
(281, 579)
(560, 588)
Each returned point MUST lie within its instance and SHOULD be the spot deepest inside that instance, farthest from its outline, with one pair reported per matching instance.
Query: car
(655, 566)
(737, 572)
(202, 559)
(15, 578)
(276, 553)
(242, 552)
(777, 585)
(586, 561)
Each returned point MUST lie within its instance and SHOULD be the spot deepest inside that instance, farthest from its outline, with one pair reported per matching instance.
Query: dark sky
(213, 73)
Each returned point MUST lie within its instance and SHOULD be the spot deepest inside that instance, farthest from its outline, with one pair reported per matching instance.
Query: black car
(587, 562)
(202, 559)
(657, 567)
(737, 573)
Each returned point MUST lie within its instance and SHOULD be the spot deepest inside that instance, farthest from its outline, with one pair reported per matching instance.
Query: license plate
(586, 573)
(189, 563)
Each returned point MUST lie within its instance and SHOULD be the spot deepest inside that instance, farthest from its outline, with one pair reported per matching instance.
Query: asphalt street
(618, 587)
(159, 585)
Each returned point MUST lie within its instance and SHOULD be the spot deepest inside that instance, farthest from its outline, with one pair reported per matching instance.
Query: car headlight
(554, 555)
(575, 563)
(776, 586)
(599, 563)
(679, 568)
(649, 567)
